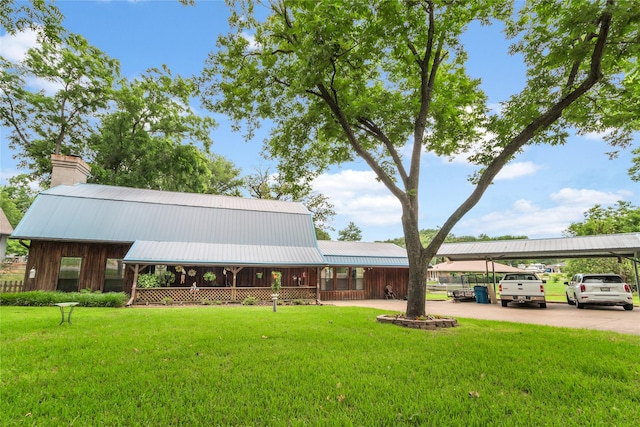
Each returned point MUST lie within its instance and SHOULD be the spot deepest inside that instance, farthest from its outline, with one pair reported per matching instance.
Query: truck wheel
(570, 301)
(543, 305)
(579, 304)
(504, 302)
(628, 307)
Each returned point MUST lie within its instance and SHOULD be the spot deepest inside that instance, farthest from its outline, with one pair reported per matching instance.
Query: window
(69, 274)
(113, 276)
(342, 278)
(326, 279)
(358, 279)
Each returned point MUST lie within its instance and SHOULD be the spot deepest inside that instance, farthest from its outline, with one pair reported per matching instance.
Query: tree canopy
(265, 185)
(351, 233)
(80, 79)
(38, 15)
(67, 97)
(385, 81)
(621, 218)
(152, 138)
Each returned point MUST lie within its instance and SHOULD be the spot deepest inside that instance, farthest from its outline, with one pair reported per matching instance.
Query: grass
(312, 365)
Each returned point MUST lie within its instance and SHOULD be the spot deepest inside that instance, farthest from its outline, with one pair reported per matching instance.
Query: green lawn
(305, 365)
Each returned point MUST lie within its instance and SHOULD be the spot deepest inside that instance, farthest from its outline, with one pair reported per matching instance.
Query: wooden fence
(11, 286)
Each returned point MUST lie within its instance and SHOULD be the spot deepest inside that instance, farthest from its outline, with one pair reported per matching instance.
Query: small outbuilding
(5, 232)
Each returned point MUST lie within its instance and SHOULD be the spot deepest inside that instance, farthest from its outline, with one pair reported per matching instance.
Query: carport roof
(606, 245)
(474, 266)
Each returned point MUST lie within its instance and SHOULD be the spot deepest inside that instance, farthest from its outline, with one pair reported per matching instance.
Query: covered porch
(215, 295)
(205, 273)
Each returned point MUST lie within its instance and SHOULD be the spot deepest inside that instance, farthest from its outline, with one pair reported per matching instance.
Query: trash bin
(482, 294)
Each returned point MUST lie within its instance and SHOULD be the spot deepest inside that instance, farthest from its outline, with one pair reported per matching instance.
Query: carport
(626, 245)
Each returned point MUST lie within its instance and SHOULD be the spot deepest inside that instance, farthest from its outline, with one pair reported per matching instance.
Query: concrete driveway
(556, 314)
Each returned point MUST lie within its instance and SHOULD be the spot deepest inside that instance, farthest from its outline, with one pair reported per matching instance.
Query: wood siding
(375, 279)
(45, 257)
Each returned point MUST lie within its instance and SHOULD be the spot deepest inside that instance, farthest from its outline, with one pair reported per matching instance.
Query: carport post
(636, 256)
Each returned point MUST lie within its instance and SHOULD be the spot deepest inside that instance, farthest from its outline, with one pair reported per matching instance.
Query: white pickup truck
(522, 288)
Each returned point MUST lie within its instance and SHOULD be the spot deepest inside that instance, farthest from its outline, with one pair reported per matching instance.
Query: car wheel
(570, 301)
(579, 304)
(504, 302)
(543, 305)
(628, 307)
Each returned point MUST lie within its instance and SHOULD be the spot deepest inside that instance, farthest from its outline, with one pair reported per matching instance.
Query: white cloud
(475, 147)
(15, 47)
(251, 39)
(517, 170)
(526, 218)
(587, 198)
(7, 173)
(359, 197)
(50, 87)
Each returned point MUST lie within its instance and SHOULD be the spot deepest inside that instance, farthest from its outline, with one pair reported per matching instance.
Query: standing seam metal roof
(87, 212)
(606, 245)
(146, 252)
(363, 254)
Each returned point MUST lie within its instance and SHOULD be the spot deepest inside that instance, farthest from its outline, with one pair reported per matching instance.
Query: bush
(44, 298)
(250, 301)
(148, 280)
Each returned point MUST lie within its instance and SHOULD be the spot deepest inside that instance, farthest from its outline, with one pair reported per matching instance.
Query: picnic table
(62, 306)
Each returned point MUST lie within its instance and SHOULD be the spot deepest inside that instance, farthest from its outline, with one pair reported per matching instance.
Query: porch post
(133, 286)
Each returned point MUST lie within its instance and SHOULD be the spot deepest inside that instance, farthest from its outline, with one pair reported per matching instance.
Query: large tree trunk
(418, 264)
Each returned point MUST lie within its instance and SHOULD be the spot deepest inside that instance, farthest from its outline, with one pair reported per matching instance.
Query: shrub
(148, 280)
(44, 298)
(166, 278)
(276, 281)
(250, 301)
(167, 300)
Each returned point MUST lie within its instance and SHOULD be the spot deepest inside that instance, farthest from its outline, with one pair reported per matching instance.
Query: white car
(599, 289)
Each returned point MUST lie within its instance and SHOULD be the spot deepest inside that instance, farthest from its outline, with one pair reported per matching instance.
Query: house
(5, 232)
(99, 237)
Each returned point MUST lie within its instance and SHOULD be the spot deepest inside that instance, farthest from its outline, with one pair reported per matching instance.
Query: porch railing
(214, 295)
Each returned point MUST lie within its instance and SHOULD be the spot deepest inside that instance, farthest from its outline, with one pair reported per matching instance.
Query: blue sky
(539, 195)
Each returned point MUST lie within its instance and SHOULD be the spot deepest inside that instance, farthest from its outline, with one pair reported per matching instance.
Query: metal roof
(189, 253)
(475, 266)
(88, 212)
(363, 254)
(606, 245)
(140, 195)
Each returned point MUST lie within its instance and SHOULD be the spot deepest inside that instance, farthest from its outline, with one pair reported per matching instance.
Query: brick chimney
(68, 170)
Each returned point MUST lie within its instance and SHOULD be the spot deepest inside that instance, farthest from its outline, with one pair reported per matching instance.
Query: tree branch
(355, 144)
(540, 123)
(373, 130)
